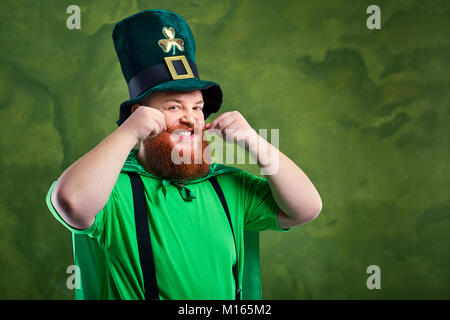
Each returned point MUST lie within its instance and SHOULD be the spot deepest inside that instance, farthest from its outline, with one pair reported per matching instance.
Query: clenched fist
(145, 122)
(234, 127)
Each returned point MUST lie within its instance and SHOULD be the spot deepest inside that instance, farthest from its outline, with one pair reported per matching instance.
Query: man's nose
(188, 118)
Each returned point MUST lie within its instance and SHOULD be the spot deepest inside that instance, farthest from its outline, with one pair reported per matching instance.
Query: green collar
(133, 165)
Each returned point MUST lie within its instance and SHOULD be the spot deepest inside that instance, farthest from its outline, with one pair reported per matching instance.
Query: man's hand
(297, 199)
(234, 128)
(84, 188)
(145, 122)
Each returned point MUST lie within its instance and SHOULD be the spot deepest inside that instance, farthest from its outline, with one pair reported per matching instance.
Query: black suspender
(219, 192)
(144, 242)
(143, 238)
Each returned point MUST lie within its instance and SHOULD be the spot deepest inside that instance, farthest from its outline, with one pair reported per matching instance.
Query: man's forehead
(177, 96)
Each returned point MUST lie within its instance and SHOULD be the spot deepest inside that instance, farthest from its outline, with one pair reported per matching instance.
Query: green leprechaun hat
(156, 50)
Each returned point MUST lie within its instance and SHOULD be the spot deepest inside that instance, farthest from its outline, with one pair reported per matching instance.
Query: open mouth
(182, 134)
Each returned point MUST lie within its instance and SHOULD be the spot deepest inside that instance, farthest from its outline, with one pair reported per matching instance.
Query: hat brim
(212, 95)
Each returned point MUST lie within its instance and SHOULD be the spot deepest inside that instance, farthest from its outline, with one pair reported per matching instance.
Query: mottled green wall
(363, 112)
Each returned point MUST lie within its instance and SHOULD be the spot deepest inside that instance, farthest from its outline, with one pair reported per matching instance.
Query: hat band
(152, 76)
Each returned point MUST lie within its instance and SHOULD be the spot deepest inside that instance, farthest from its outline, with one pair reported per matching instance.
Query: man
(146, 226)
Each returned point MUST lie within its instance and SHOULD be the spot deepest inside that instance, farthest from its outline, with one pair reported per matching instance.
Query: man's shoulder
(237, 175)
(219, 168)
(227, 172)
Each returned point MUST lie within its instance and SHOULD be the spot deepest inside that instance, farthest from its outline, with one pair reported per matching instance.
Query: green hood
(132, 164)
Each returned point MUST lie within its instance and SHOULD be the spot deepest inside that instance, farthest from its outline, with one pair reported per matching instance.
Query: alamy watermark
(74, 20)
(374, 20)
(221, 148)
(73, 281)
(374, 281)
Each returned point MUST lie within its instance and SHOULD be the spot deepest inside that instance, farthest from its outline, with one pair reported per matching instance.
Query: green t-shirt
(191, 238)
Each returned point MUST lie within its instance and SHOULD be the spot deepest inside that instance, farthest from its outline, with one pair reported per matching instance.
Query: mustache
(184, 127)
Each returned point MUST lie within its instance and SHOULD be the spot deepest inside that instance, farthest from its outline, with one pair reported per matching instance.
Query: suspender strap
(143, 238)
(219, 192)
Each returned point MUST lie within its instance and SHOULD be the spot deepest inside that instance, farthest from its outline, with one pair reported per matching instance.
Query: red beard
(158, 152)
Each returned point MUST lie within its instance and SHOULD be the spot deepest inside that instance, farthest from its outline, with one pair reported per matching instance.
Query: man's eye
(198, 108)
(174, 107)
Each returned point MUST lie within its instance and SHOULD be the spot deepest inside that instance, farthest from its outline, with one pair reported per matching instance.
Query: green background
(365, 114)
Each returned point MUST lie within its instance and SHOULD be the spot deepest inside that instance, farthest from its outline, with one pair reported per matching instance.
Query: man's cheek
(168, 119)
(199, 124)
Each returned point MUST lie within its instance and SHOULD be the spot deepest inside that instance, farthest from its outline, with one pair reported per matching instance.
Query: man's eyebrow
(179, 101)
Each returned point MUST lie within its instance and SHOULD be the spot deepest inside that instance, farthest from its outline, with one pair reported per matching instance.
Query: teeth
(184, 133)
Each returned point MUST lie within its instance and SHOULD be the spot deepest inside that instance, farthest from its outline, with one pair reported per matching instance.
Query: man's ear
(134, 107)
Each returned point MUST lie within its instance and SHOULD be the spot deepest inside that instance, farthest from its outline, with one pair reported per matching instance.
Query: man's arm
(297, 198)
(84, 188)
